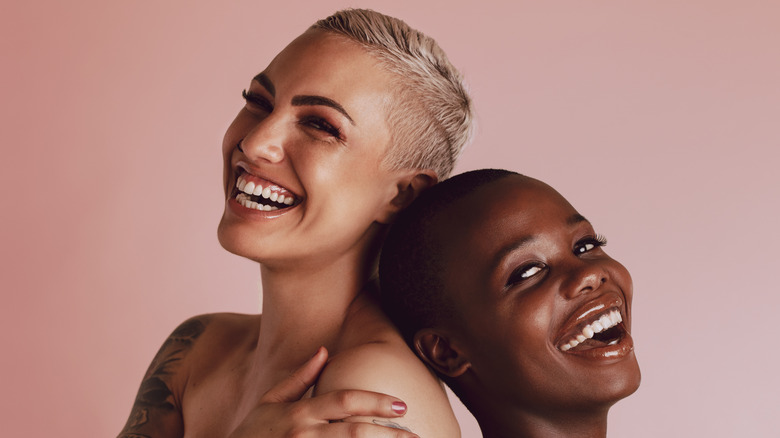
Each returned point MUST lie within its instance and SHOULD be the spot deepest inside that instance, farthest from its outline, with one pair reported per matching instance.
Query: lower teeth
(245, 200)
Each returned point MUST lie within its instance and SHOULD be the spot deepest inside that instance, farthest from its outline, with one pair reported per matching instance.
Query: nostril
(238, 145)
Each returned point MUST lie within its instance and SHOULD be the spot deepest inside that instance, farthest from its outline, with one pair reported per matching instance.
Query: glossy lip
(238, 209)
(587, 313)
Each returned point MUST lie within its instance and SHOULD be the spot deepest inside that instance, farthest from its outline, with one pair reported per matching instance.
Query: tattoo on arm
(388, 423)
(155, 399)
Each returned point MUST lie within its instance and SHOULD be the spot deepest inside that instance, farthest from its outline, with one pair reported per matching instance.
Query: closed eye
(321, 124)
(257, 100)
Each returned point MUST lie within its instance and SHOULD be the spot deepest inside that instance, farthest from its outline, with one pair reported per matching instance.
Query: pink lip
(250, 174)
(239, 210)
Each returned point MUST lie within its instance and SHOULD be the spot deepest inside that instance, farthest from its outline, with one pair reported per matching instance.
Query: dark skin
(526, 274)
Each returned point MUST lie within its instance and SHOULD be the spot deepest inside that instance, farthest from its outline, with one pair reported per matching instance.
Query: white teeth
(604, 322)
(588, 332)
(243, 199)
(255, 189)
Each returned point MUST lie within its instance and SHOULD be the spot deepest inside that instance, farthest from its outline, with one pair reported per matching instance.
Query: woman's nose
(586, 278)
(264, 142)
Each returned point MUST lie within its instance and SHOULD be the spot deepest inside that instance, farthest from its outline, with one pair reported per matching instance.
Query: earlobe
(437, 351)
(406, 190)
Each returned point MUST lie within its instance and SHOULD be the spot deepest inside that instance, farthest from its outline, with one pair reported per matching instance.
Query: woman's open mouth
(603, 331)
(601, 336)
(258, 194)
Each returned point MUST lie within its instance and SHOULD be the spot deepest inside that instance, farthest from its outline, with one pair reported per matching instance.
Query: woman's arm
(156, 412)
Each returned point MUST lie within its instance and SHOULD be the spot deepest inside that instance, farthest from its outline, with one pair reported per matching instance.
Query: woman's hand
(282, 413)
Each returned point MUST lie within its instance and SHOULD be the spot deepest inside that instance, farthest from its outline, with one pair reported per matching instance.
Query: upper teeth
(250, 188)
(604, 322)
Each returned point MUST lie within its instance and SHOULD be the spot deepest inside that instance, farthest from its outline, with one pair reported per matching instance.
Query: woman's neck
(305, 305)
(565, 425)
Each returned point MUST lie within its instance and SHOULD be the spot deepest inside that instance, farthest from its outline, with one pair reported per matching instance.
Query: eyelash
(598, 241)
(258, 100)
(522, 273)
(321, 124)
(317, 123)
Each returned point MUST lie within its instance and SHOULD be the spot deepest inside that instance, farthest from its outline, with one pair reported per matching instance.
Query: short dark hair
(411, 267)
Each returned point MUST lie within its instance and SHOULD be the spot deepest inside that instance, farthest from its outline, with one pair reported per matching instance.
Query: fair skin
(313, 130)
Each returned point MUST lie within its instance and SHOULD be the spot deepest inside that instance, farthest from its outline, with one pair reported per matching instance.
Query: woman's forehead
(512, 196)
(326, 53)
(504, 209)
(320, 63)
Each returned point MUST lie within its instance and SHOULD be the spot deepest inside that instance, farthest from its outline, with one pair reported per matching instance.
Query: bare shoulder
(158, 403)
(223, 330)
(390, 367)
(220, 336)
(200, 338)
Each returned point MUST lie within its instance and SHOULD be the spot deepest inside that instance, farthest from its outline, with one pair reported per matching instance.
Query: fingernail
(399, 407)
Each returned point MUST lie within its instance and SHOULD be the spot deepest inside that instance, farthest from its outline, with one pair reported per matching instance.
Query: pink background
(659, 121)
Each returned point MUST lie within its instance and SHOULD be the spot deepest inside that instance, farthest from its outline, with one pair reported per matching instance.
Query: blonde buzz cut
(430, 116)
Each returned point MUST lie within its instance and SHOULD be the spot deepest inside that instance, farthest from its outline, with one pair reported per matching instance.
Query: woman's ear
(408, 187)
(437, 351)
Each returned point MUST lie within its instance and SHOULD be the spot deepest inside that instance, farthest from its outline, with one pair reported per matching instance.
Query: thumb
(293, 387)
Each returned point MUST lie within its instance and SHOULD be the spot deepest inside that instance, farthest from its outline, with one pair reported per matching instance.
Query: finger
(362, 430)
(341, 404)
(293, 387)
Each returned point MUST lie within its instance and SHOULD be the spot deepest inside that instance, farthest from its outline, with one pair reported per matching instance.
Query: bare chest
(218, 404)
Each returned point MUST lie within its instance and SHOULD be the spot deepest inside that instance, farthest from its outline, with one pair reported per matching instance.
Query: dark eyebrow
(263, 80)
(517, 244)
(508, 249)
(319, 100)
(575, 219)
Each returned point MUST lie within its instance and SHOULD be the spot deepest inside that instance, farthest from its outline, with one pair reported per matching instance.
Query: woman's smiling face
(302, 159)
(543, 313)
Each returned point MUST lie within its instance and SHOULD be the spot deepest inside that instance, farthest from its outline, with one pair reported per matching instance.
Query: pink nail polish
(399, 407)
